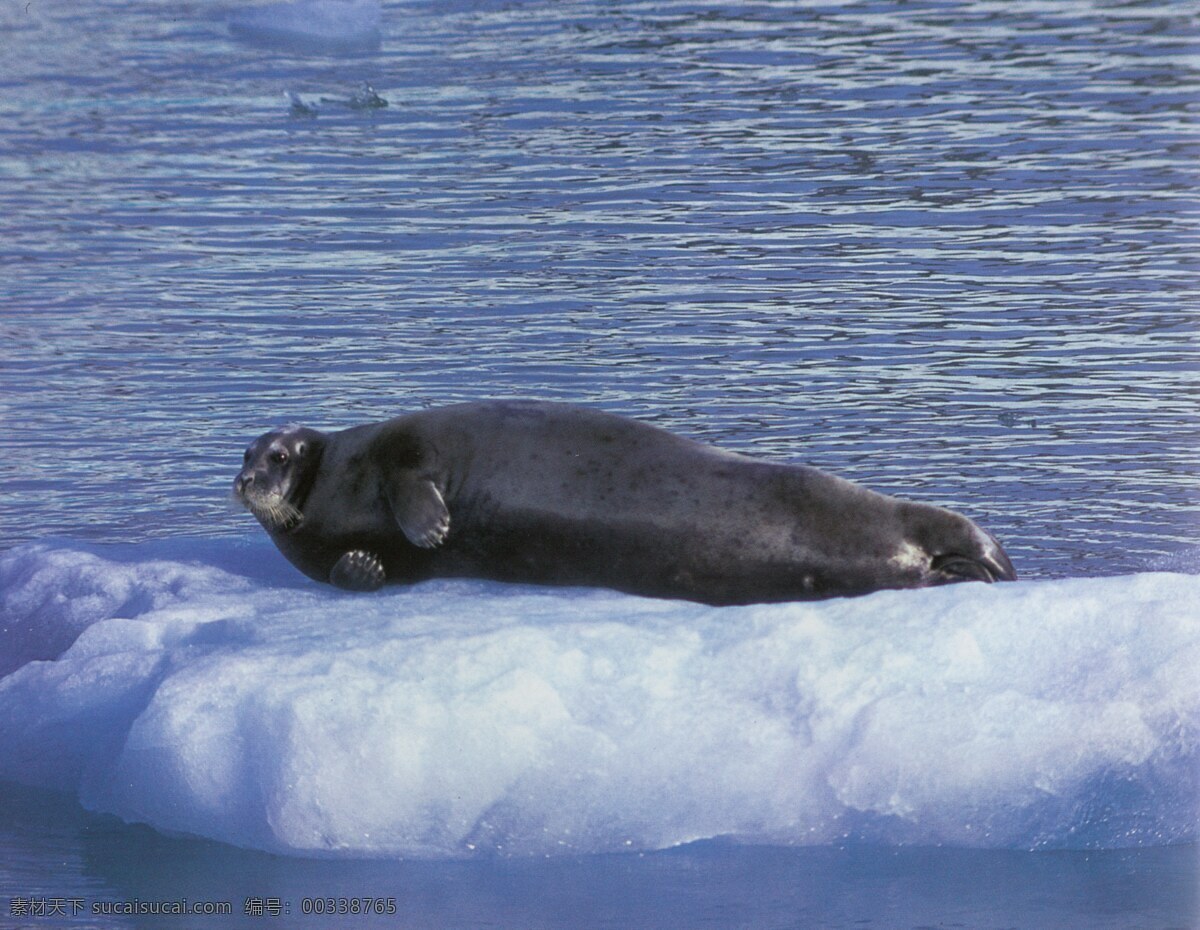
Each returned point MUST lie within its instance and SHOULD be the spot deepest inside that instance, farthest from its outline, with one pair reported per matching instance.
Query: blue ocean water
(947, 250)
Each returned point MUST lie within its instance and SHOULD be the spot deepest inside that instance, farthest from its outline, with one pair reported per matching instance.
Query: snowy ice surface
(311, 25)
(218, 694)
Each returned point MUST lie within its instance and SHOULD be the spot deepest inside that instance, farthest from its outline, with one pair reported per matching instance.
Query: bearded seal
(548, 493)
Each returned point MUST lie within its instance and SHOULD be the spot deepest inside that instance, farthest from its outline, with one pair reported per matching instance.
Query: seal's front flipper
(419, 509)
(358, 570)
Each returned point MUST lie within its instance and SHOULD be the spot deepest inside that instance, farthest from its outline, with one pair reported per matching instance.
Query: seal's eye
(279, 457)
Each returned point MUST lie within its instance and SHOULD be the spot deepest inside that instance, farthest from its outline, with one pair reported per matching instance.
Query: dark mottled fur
(556, 494)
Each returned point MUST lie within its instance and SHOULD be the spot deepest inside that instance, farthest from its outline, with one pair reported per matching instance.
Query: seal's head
(277, 472)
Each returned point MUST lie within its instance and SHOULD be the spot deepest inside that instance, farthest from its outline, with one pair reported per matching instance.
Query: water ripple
(945, 249)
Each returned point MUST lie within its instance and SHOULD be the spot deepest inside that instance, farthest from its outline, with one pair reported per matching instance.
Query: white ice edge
(468, 718)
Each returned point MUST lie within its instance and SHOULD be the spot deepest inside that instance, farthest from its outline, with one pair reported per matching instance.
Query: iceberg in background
(312, 25)
(466, 718)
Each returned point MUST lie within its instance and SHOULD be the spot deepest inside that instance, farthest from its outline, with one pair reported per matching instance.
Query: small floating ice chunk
(365, 98)
(311, 25)
(298, 107)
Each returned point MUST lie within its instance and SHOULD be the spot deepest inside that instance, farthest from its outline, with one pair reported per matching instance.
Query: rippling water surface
(946, 249)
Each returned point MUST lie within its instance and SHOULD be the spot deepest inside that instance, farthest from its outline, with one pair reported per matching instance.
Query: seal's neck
(307, 478)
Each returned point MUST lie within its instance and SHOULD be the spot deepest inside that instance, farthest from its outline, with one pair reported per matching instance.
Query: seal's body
(556, 494)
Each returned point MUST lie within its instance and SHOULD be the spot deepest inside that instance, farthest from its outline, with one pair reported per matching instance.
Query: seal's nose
(241, 482)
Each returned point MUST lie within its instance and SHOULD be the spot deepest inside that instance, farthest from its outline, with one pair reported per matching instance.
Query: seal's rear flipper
(358, 570)
(419, 510)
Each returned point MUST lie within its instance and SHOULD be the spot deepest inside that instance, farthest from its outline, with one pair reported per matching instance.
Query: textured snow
(226, 698)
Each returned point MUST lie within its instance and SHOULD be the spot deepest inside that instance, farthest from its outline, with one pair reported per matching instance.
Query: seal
(547, 493)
